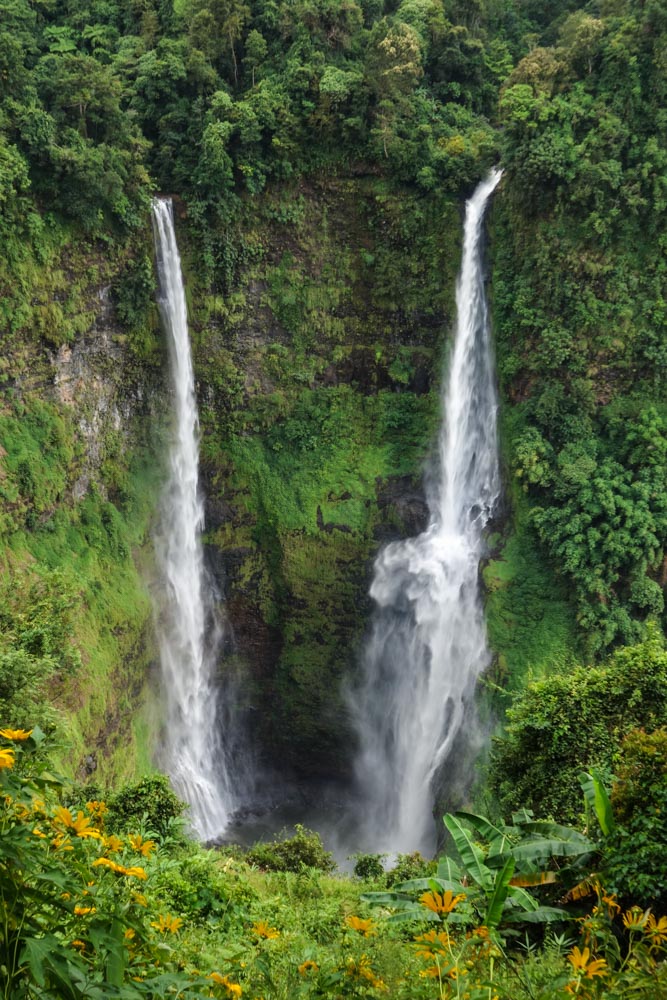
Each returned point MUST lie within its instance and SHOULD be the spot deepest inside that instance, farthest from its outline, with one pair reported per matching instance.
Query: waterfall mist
(428, 641)
(193, 752)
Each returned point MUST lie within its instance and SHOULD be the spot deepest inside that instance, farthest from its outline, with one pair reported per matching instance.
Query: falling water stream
(428, 640)
(189, 634)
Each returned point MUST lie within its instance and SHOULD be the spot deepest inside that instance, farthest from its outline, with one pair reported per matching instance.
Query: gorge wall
(321, 160)
(81, 461)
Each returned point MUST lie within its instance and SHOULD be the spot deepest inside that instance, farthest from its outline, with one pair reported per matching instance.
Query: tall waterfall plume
(428, 641)
(189, 633)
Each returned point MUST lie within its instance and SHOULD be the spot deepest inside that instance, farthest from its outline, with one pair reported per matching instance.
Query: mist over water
(189, 634)
(428, 641)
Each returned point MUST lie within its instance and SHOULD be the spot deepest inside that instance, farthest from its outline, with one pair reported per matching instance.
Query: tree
(563, 724)
(255, 52)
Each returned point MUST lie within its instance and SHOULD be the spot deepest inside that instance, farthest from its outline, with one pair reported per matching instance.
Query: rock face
(318, 365)
(78, 413)
(317, 354)
(93, 378)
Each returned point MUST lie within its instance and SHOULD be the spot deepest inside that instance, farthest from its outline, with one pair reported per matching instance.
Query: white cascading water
(188, 632)
(428, 639)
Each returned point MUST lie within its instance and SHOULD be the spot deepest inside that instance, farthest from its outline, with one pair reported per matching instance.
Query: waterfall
(189, 634)
(428, 641)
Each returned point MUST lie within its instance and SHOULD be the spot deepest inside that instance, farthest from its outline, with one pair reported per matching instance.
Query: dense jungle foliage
(318, 152)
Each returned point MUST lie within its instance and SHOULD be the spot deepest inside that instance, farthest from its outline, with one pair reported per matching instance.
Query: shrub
(292, 854)
(563, 724)
(149, 802)
(368, 866)
(409, 866)
(634, 856)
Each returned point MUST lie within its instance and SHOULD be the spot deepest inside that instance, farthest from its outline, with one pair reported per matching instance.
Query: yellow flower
(262, 929)
(579, 959)
(81, 911)
(635, 919)
(129, 934)
(308, 966)
(584, 965)
(80, 826)
(6, 758)
(656, 929)
(80, 945)
(142, 846)
(139, 898)
(120, 869)
(431, 942)
(165, 923)
(96, 808)
(113, 843)
(38, 833)
(365, 927)
(135, 872)
(362, 970)
(61, 842)
(441, 904)
(481, 932)
(612, 906)
(18, 735)
(108, 863)
(233, 989)
(455, 972)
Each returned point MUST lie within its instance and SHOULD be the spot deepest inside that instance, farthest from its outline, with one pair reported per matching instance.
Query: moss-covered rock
(318, 365)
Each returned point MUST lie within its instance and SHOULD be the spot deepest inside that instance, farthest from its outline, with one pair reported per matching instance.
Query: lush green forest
(318, 153)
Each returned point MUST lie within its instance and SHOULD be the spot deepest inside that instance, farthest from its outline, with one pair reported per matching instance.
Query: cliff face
(78, 480)
(318, 368)
(318, 349)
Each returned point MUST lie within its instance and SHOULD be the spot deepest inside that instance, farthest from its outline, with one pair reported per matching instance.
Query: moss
(318, 386)
(76, 507)
(531, 623)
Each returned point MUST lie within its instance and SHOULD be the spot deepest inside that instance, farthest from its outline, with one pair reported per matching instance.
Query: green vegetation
(567, 722)
(318, 152)
(74, 610)
(142, 913)
(578, 302)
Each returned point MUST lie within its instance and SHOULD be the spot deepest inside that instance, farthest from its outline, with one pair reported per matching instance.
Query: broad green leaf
(499, 848)
(541, 849)
(46, 779)
(37, 736)
(556, 831)
(551, 840)
(497, 898)
(471, 855)
(522, 898)
(117, 955)
(480, 823)
(416, 913)
(542, 915)
(598, 800)
(448, 869)
(36, 952)
(385, 898)
(415, 885)
(62, 879)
